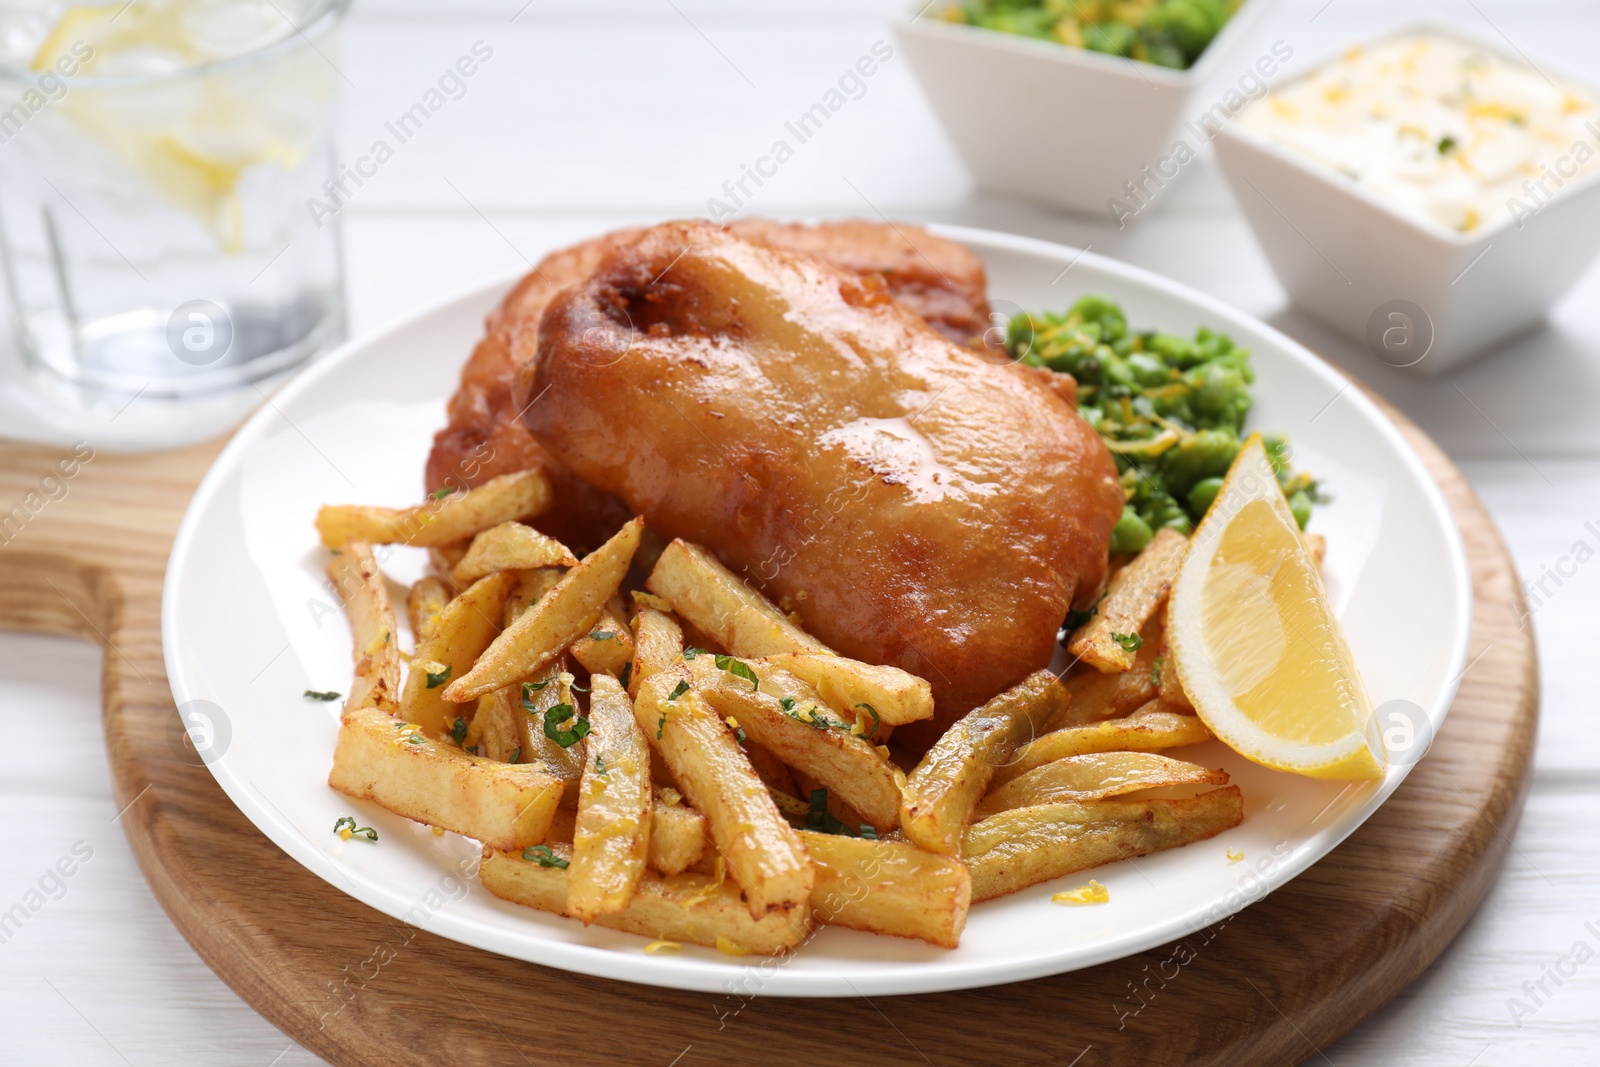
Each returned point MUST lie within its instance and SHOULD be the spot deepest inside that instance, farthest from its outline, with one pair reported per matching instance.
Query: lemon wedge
(1255, 642)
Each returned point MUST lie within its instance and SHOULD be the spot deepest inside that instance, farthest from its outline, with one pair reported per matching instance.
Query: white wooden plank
(98, 943)
(1543, 913)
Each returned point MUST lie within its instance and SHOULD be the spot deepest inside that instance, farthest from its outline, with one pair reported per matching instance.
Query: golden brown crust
(934, 277)
(920, 506)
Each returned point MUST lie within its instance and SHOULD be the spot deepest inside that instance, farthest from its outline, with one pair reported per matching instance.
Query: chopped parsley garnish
(600, 765)
(516, 755)
(1155, 672)
(820, 819)
(544, 857)
(786, 703)
(472, 749)
(875, 720)
(678, 691)
(1076, 619)
(691, 653)
(661, 724)
(1446, 145)
(627, 672)
(458, 730)
(533, 687)
(312, 694)
(1129, 642)
(346, 828)
(603, 635)
(739, 669)
(566, 737)
(440, 494)
(437, 678)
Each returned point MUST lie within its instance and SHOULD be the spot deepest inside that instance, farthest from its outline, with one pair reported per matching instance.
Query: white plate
(247, 625)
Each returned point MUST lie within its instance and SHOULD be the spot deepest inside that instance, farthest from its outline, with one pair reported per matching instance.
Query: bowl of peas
(1079, 104)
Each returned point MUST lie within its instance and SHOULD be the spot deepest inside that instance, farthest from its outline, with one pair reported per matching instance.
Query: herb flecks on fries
(737, 789)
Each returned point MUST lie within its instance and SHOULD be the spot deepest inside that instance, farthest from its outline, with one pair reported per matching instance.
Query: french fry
(392, 763)
(720, 603)
(424, 602)
(510, 546)
(1025, 846)
(374, 649)
(678, 835)
(846, 684)
(771, 770)
(611, 839)
(657, 646)
(531, 585)
(1316, 547)
(888, 887)
(549, 688)
(1100, 695)
(1095, 776)
(789, 718)
(765, 855)
(438, 522)
(493, 730)
(1151, 728)
(940, 795)
(688, 907)
(1134, 595)
(608, 647)
(442, 559)
(555, 620)
(457, 637)
(1169, 687)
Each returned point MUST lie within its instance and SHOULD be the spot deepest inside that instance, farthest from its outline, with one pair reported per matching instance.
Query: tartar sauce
(1445, 132)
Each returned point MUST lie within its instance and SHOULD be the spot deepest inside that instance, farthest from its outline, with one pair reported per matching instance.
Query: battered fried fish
(935, 278)
(917, 504)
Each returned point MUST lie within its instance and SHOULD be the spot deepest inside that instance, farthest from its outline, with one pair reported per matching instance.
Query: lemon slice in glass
(192, 141)
(1255, 642)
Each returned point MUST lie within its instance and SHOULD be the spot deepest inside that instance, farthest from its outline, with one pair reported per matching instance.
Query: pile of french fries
(640, 739)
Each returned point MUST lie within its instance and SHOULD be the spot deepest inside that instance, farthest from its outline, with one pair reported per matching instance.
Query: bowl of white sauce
(1430, 192)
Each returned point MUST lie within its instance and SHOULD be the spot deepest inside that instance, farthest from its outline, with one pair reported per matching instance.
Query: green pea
(1021, 331)
(1147, 370)
(1300, 508)
(1114, 370)
(1203, 495)
(1130, 534)
(1104, 312)
(1207, 454)
(1172, 348)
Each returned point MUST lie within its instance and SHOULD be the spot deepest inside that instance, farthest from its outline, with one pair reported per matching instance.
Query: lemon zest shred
(1093, 893)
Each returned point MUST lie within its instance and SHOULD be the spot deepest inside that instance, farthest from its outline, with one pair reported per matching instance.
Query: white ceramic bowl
(1062, 126)
(1349, 259)
(248, 623)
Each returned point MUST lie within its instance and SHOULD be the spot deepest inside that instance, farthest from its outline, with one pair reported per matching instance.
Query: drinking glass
(156, 163)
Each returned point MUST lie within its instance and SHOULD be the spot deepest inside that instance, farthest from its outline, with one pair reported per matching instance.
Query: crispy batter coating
(934, 277)
(918, 505)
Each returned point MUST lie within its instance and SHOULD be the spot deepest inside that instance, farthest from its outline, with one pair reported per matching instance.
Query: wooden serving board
(1275, 984)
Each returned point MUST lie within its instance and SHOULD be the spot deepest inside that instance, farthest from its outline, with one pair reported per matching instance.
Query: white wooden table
(594, 114)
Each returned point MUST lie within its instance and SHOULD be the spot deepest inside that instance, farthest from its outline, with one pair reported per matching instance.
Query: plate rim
(690, 974)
